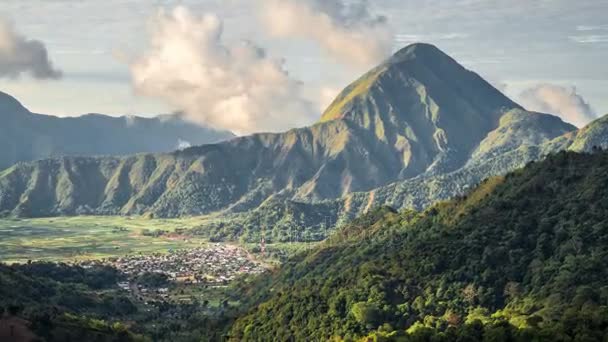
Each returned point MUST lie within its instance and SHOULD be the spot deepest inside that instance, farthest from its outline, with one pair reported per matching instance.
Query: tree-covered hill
(63, 303)
(521, 257)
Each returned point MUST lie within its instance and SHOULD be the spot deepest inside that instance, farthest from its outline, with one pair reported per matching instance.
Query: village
(214, 265)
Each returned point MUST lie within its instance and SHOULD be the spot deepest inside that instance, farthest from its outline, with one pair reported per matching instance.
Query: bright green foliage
(522, 256)
(365, 313)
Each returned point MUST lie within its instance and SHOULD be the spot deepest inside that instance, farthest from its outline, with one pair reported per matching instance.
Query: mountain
(511, 146)
(427, 107)
(25, 136)
(586, 139)
(520, 258)
(419, 114)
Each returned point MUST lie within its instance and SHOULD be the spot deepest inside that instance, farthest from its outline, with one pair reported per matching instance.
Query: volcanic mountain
(418, 114)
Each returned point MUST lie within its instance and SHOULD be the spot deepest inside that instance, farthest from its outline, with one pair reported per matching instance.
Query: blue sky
(515, 44)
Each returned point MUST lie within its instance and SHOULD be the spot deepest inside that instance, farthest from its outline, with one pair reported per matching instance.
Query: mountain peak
(425, 104)
(425, 70)
(417, 50)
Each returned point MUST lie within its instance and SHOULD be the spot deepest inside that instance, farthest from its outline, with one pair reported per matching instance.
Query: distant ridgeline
(522, 257)
(416, 129)
(25, 136)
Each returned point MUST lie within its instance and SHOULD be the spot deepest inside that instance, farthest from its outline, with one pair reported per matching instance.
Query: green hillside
(50, 302)
(25, 136)
(520, 258)
(504, 150)
(417, 116)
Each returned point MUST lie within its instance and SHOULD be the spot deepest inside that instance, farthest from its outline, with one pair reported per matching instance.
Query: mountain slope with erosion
(417, 116)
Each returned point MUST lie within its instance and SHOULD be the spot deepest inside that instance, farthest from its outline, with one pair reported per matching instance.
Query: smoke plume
(19, 55)
(562, 101)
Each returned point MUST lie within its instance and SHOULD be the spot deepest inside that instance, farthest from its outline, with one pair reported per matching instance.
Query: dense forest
(522, 257)
(59, 302)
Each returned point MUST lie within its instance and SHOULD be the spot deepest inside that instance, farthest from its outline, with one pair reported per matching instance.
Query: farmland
(68, 239)
(84, 238)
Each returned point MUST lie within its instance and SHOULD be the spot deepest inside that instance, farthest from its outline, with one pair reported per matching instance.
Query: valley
(423, 205)
(82, 238)
(85, 238)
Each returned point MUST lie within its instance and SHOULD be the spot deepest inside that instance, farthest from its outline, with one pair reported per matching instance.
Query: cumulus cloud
(235, 87)
(349, 33)
(562, 101)
(19, 55)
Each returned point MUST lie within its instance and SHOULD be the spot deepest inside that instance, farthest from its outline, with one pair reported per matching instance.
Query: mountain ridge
(407, 125)
(27, 136)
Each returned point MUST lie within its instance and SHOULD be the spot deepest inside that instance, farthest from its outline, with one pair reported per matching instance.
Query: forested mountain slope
(521, 257)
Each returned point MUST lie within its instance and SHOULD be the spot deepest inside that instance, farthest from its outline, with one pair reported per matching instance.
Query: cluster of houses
(215, 264)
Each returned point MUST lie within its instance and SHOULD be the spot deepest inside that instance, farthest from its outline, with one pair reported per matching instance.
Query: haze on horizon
(246, 73)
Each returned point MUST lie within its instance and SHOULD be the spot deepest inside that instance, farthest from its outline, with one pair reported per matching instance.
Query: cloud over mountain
(563, 101)
(348, 32)
(235, 87)
(19, 55)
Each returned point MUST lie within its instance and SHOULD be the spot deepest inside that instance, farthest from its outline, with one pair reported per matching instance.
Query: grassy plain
(89, 237)
(63, 239)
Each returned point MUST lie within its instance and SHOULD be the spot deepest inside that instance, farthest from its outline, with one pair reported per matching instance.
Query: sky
(269, 65)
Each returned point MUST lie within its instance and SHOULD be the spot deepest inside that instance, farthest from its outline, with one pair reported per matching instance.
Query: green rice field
(87, 237)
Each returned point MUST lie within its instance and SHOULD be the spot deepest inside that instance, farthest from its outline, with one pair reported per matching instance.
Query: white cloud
(349, 33)
(234, 87)
(19, 55)
(326, 96)
(183, 144)
(562, 101)
(590, 39)
(591, 27)
(404, 39)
